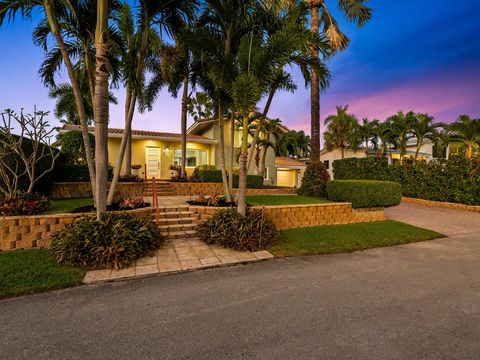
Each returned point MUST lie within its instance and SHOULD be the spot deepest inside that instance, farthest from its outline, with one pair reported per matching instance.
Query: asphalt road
(418, 301)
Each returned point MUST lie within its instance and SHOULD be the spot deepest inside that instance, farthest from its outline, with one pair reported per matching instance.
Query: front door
(153, 162)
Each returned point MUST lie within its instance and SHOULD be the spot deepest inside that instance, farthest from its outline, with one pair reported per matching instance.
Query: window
(327, 164)
(265, 174)
(194, 157)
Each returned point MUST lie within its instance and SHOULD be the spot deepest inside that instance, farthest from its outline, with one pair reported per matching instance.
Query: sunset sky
(414, 55)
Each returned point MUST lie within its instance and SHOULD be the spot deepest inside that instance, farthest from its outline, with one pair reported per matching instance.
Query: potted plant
(135, 169)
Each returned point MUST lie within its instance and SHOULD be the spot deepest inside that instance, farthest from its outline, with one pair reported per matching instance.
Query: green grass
(255, 200)
(35, 270)
(347, 238)
(66, 205)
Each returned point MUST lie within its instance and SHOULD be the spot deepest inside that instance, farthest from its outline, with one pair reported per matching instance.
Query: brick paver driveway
(453, 223)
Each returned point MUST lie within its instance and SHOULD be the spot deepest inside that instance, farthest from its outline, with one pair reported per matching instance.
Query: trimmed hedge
(454, 180)
(214, 175)
(75, 173)
(253, 181)
(365, 193)
(208, 176)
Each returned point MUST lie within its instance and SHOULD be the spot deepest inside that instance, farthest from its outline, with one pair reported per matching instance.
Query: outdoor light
(166, 151)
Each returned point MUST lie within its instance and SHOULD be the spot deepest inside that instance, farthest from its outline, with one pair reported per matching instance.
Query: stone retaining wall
(441, 204)
(69, 190)
(25, 232)
(297, 216)
(199, 188)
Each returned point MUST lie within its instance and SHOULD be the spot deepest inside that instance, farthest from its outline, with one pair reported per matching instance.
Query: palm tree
(401, 126)
(467, 132)
(423, 128)
(355, 11)
(270, 131)
(383, 134)
(367, 135)
(342, 130)
(101, 104)
(52, 10)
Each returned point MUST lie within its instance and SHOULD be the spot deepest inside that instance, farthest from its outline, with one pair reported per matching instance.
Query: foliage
(207, 175)
(365, 193)
(35, 270)
(314, 180)
(253, 181)
(466, 131)
(22, 203)
(131, 203)
(342, 130)
(72, 147)
(293, 143)
(115, 241)
(75, 173)
(130, 178)
(228, 228)
(328, 239)
(201, 106)
(454, 180)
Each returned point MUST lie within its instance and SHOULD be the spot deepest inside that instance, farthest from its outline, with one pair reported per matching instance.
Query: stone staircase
(164, 188)
(176, 222)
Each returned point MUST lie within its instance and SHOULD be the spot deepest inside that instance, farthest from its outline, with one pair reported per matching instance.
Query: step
(173, 214)
(173, 228)
(184, 220)
(179, 234)
(173, 208)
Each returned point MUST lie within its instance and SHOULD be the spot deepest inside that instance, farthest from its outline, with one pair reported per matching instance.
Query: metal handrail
(155, 199)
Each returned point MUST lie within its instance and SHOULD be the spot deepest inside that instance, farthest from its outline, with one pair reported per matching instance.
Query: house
(157, 151)
(426, 152)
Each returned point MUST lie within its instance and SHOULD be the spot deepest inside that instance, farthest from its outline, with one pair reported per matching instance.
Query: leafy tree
(367, 134)
(71, 147)
(200, 106)
(401, 127)
(342, 130)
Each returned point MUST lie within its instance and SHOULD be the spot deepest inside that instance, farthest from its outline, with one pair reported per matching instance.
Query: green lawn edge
(64, 206)
(334, 239)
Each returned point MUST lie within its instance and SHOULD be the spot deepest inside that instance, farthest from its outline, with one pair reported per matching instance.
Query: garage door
(287, 178)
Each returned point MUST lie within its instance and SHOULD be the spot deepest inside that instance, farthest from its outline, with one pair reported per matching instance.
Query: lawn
(346, 238)
(35, 270)
(255, 200)
(66, 205)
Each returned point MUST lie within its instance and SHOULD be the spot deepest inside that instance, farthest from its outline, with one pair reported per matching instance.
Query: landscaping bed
(271, 200)
(35, 270)
(347, 238)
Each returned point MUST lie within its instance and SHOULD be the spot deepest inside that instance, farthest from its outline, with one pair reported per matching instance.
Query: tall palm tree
(423, 128)
(367, 135)
(467, 132)
(342, 130)
(383, 134)
(101, 105)
(401, 126)
(52, 10)
(270, 131)
(355, 11)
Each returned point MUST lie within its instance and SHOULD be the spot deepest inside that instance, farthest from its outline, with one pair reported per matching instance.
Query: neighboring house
(425, 153)
(157, 151)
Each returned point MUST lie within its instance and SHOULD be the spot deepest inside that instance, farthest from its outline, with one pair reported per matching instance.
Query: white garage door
(287, 178)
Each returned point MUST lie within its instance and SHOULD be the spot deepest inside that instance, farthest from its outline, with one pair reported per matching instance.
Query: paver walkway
(450, 222)
(176, 256)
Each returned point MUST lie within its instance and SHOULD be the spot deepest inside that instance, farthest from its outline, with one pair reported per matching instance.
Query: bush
(253, 181)
(230, 229)
(75, 173)
(365, 193)
(314, 180)
(22, 203)
(206, 173)
(115, 241)
(454, 180)
(73, 147)
(130, 178)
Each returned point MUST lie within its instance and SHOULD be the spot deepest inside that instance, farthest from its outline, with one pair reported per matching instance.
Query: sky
(419, 55)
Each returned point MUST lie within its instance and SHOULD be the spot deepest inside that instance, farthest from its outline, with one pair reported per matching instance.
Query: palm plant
(401, 126)
(342, 130)
(367, 134)
(466, 131)
(383, 134)
(52, 12)
(423, 128)
(270, 130)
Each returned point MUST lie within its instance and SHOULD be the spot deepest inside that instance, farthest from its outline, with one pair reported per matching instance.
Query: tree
(21, 154)
(367, 134)
(71, 147)
(200, 106)
(342, 130)
(51, 9)
(270, 132)
(423, 128)
(294, 144)
(401, 126)
(466, 131)
(322, 21)
(383, 134)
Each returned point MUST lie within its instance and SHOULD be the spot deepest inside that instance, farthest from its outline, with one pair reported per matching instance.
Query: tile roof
(284, 161)
(141, 133)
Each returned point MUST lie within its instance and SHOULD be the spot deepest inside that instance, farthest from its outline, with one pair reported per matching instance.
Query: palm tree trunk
(260, 124)
(263, 161)
(101, 105)
(242, 179)
(128, 150)
(222, 155)
(183, 172)
(315, 94)
(469, 151)
(232, 151)
(52, 20)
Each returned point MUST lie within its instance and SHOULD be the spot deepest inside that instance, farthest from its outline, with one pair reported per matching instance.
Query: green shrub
(22, 203)
(253, 181)
(365, 193)
(314, 180)
(229, 229)
(75, 172)
(115, 241)
(454, 180)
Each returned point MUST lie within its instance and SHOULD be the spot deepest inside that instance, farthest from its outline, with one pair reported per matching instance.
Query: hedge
(75, 172)
(454, 180)
(365, 193)
(253, 181)
(213, 175)
(208, 176)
